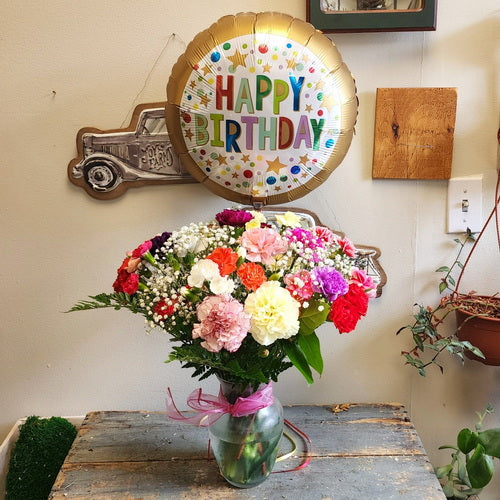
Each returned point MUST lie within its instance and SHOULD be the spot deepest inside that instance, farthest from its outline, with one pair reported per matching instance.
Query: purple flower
(236, 218)
(329, 282)
(158, 241)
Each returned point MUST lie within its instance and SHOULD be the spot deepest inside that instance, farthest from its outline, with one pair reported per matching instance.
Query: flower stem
(242, 446)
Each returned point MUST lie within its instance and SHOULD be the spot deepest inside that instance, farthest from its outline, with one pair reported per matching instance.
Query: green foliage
(297, 357)
(314, 316)
(309, 345)
(425, 330)
(114, 300)
(471, 467)
(251, 364)
(37, 457)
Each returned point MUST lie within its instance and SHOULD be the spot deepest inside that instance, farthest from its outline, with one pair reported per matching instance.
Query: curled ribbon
(210, 408)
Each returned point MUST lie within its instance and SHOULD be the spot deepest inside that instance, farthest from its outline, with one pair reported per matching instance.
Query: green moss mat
(37, 457)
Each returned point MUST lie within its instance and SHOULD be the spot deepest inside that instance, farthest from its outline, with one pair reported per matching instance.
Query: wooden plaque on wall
(414, 133)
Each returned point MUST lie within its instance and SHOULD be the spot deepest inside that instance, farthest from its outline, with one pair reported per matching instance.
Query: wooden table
(368, 452)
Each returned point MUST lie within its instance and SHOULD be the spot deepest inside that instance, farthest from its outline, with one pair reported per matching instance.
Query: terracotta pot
(484, 333)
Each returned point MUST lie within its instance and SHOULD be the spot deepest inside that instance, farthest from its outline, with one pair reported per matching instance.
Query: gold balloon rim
(276, 23)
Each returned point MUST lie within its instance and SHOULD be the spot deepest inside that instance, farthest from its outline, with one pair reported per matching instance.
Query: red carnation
(163, 309)
(126, 282)
(348, 309)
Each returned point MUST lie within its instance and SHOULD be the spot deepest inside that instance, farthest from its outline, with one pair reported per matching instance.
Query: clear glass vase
(246, 448)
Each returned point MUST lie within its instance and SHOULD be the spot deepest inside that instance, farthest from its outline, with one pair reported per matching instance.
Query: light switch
(465, 199)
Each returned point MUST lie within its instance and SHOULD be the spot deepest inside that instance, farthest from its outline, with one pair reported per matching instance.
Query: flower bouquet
(241, 297)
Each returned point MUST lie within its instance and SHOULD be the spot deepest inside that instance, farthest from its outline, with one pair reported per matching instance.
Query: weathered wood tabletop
(369, 451)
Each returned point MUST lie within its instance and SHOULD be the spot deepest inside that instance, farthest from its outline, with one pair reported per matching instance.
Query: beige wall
(68, 64)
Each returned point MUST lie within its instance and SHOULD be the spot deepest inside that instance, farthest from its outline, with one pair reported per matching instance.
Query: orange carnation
(251, 275)
(225, 258)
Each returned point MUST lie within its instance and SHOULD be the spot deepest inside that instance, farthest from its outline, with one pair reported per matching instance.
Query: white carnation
(203, 270)
(220, 285)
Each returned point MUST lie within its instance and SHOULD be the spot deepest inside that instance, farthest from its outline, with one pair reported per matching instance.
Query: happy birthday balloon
(261, 108)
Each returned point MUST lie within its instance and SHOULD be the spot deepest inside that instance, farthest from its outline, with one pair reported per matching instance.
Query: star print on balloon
(261, 108)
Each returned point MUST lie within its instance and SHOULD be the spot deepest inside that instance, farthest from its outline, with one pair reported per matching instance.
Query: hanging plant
(477, 332)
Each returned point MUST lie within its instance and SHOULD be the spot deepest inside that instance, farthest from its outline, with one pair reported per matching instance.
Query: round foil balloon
(261, 108)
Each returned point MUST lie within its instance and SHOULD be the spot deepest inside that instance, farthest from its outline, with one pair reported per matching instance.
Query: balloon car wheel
(100, 176)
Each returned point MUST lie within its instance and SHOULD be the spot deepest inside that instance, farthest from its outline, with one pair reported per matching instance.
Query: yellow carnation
(258, 219)
(289, 219)
(274, 313)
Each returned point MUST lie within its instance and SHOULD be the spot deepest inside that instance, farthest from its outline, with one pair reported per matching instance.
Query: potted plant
(471, 467)
(477, 331)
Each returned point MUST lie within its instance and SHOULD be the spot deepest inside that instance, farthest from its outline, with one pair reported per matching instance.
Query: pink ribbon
(210, 408)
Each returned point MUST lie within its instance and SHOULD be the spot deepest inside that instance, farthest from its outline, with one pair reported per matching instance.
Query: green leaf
(418, 329)
(490, 439)
(310, 346)
(451, 280)
(189, 259)
(313, 316)
(173, 262)
(413, 361)
(448, 488)
(194, 294)
(442, 269)
(443, 471)
(442, 287)
(418, 341)
(480, 468)
(476, 351)
(462, 473)
(466, 440)
(296, 356)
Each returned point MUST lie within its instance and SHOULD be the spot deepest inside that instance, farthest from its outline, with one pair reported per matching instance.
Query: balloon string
(148, 77)
(292, 451)
(308, 454)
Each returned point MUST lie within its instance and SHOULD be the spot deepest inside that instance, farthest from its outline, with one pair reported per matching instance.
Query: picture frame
(375, 20)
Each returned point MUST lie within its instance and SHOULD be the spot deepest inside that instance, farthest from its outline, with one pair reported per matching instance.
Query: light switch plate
(465, 200)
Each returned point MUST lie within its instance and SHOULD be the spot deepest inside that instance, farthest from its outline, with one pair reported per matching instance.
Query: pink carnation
(360, 278)
(133, 264)
(324, 234)
(223, 323)
(141, 249)
(347, 247)
(299, 285)
(262, 244)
